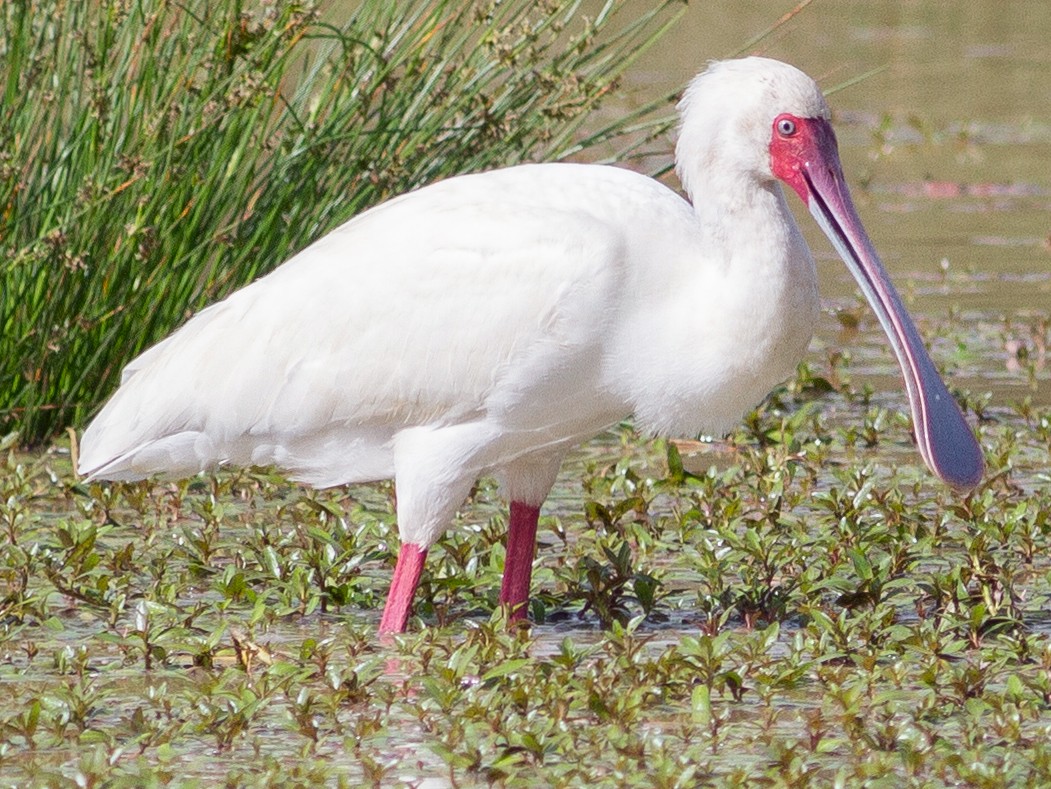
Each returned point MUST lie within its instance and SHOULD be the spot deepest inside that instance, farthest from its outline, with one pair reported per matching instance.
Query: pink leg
(518, 564)
(402, 588)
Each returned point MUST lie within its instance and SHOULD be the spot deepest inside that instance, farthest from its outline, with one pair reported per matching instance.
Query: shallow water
(946, 149)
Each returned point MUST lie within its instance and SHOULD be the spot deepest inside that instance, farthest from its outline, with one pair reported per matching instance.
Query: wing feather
(426, 310)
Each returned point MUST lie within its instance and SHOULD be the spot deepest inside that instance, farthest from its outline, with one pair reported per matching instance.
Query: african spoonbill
(487, 323)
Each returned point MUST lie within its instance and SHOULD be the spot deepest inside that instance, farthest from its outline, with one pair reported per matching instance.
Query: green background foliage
(156, 155)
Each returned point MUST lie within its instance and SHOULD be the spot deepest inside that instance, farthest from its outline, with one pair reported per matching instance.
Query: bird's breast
(734, 326)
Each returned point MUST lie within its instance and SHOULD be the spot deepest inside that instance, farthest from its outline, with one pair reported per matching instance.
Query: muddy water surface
(947, 147)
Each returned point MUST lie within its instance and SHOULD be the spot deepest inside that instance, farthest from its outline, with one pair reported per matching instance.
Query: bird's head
(751, 118)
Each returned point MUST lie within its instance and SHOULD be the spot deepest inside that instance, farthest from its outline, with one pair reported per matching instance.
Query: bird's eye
(786, 127)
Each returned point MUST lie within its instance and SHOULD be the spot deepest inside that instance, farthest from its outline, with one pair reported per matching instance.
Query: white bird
(488, 323)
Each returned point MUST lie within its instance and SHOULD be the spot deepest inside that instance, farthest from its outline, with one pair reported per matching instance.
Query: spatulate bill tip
(948, 445)
(962, 480)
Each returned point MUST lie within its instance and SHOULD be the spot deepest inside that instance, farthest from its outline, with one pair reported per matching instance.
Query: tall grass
(155, 155)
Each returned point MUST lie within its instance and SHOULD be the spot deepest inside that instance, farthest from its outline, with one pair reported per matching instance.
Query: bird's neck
(736, 211)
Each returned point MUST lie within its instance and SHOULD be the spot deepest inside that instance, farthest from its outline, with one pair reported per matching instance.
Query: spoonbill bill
(488, 323)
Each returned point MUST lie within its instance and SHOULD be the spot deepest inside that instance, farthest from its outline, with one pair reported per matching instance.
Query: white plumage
(527, 303)
(487, 323)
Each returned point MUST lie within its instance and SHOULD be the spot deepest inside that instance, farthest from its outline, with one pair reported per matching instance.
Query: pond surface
(947, 150)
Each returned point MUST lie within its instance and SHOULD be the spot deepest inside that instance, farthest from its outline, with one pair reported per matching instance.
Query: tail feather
(179, 455)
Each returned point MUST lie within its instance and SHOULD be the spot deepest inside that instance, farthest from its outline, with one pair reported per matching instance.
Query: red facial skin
(811, 142)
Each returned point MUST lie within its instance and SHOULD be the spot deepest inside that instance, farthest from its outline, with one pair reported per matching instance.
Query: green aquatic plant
(817, 620)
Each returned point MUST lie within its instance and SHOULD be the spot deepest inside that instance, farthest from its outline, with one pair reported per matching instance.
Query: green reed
(156, 155)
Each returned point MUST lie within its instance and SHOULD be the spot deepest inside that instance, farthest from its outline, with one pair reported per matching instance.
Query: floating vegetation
(799, 603)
